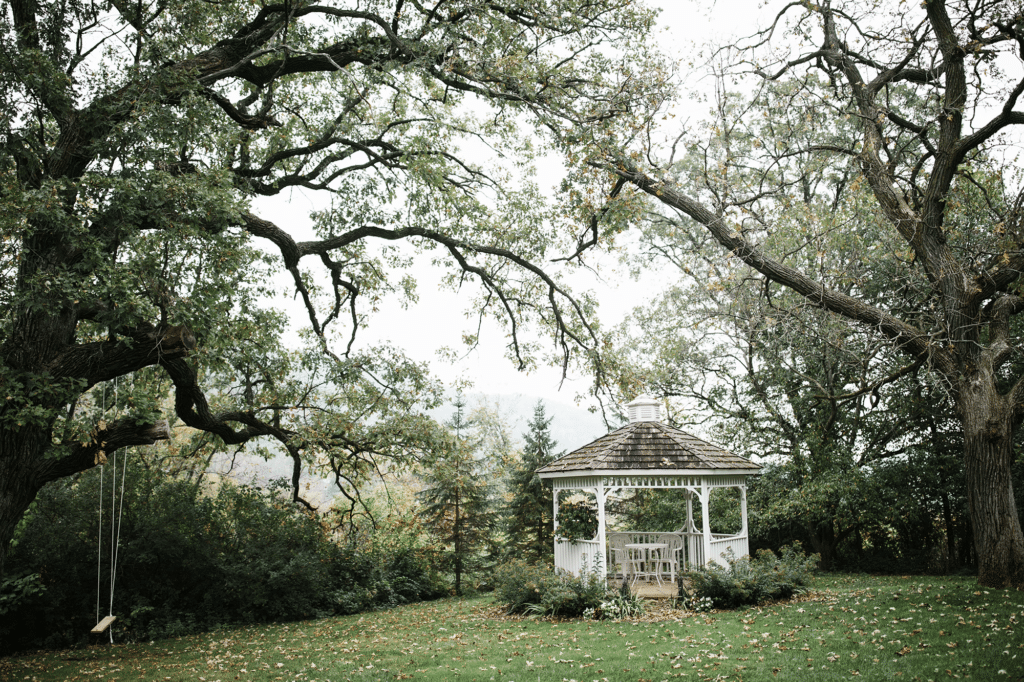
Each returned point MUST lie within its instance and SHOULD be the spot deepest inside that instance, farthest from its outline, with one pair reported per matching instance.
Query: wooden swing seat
(103, 625)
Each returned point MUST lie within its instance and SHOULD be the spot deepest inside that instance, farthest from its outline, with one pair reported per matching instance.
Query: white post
(554, 515)
(705, 503)
(602, 552)
(689, 512)
(743, 510)
(689, 528)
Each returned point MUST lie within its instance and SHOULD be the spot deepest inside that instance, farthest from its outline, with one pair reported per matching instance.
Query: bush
(518, 584)
(543, 590)
(189, 562)
(750, 581)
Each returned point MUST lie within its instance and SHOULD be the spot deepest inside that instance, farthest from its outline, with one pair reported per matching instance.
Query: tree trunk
(20, 484)
(458, 548)
(25, 467)
(947, 519)
(823, 543)
(988, 455)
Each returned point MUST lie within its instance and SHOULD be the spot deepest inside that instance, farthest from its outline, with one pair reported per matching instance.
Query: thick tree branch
(123, 433)
(192, 407)
(907, 338)
(1002, 309)
(105, 360)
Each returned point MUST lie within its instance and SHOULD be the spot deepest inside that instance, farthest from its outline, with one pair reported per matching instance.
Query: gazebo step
(647, 590)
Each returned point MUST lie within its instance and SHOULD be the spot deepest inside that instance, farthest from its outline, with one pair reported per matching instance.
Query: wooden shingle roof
(649, 446)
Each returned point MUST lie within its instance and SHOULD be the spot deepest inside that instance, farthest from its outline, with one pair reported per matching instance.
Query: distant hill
(571, 427)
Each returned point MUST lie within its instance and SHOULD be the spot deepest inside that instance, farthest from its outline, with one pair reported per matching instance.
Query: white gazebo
(649, 454)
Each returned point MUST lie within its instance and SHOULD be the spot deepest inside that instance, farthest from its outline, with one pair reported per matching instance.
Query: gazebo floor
(647, 589)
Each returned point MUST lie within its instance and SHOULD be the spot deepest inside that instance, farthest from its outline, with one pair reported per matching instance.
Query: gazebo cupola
(646, 453)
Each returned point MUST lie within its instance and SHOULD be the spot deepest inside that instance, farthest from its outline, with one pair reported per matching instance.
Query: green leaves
(142, 142)
(457, 498)
(577, 520)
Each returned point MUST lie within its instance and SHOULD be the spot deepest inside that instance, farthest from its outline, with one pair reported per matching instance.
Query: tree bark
(458, 548)
(823, 543)
(20, 485)
(988, 455)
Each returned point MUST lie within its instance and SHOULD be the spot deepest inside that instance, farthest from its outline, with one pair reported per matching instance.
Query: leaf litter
(852, 627)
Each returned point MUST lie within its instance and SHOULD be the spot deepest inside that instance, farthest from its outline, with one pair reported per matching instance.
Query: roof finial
(644, 409)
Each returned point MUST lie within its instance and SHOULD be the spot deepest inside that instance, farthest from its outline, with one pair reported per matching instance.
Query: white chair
(617, 545)
(644, 562)
(669, 558)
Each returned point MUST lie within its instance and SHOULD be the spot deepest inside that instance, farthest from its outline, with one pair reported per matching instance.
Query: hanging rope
(116, 513)
(113, 508)
(99, 532)
(117, 537)
(99, 549)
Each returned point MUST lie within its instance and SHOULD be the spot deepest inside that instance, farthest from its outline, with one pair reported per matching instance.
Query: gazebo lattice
(649, 454)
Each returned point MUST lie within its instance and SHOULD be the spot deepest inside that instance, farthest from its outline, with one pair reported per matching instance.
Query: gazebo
(649, 454)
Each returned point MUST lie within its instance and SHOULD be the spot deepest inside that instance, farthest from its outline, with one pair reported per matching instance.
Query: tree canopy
(136, 142)
(931, 93)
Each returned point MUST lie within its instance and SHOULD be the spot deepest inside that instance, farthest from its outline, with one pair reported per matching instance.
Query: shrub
(543, 590)
(517, 584)
(190, 562)
(577, 521)
(750, 581)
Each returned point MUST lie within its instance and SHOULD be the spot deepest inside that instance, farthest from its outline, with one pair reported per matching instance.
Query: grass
(855, 627)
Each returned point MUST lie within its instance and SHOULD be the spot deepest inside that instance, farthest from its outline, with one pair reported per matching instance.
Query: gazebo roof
(648, 447)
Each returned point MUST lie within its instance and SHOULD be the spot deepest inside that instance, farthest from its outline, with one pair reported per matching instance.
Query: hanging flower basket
(577, 521)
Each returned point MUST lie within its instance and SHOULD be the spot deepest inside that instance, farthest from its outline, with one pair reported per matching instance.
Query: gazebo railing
(586, 554)
(722, 544)
(693, 543)
(575, 556)
(694, 548)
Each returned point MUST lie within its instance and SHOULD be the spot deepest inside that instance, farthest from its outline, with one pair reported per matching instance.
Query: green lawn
(857, 627)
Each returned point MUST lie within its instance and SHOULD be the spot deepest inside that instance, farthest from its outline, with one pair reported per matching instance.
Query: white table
(645, 559)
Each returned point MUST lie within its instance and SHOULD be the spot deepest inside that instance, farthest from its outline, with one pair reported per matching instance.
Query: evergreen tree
(529, 524)
(457, 499)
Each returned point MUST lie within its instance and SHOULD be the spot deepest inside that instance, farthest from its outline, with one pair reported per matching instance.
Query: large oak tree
(934, 92)
(771, 373)
(135, 139)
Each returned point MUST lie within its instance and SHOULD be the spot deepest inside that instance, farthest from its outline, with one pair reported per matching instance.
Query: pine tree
(457, 499)
(529, 525)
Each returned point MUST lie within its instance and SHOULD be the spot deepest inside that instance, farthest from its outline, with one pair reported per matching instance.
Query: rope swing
(116, 509)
